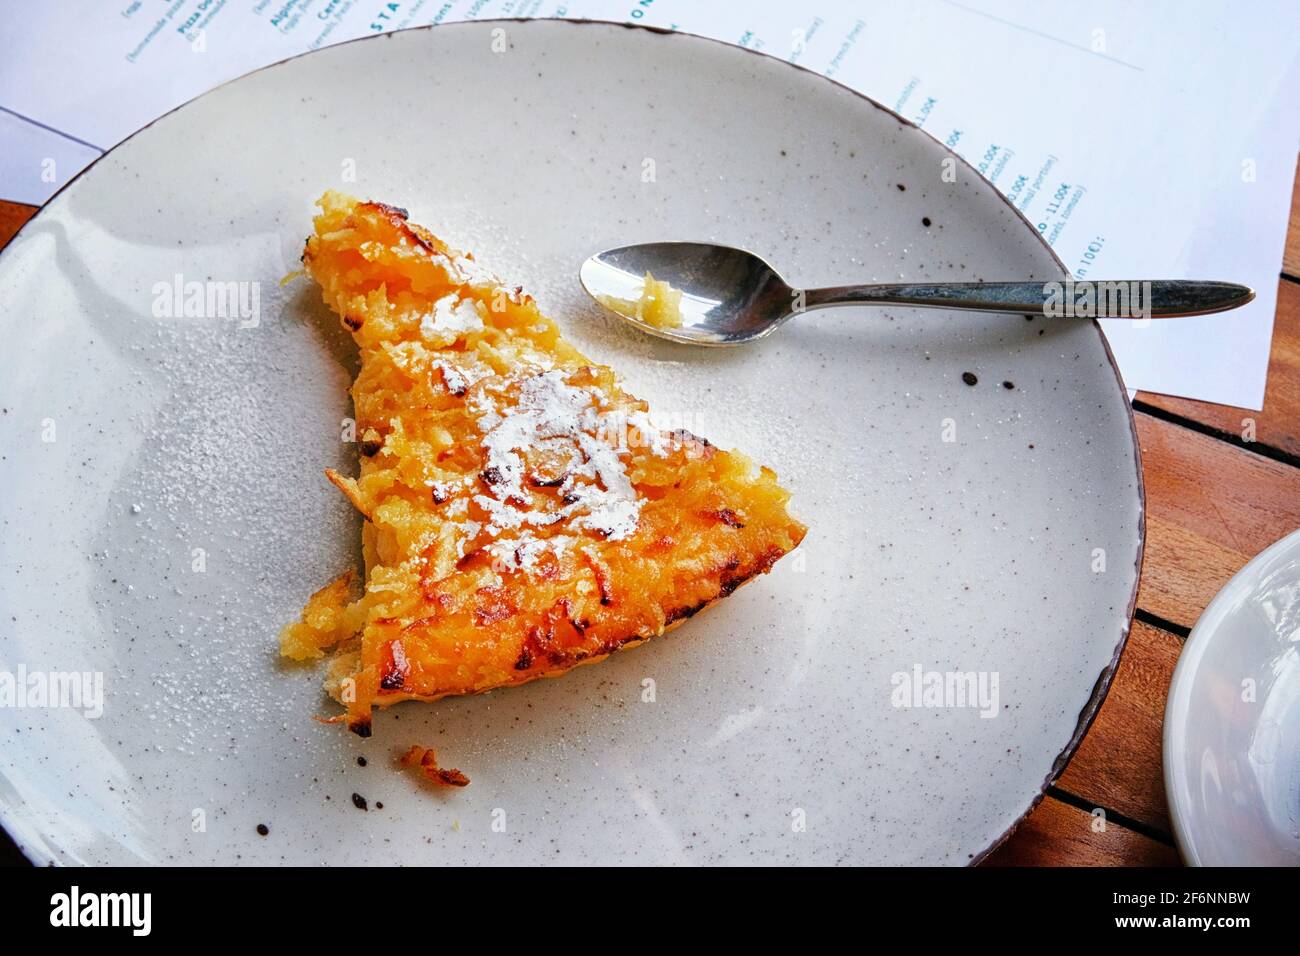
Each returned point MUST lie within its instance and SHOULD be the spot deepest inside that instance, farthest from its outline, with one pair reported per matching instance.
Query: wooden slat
(1211, 507)
(1118, 764)
(1057, 834)
(12, 217)
(1291, 256)
(1278, 425)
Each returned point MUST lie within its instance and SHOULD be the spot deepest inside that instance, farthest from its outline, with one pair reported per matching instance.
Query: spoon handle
(1119, 299)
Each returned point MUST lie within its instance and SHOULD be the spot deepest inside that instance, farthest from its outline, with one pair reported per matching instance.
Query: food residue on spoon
(660, 304)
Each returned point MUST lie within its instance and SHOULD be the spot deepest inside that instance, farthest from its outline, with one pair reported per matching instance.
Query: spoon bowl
(729, 296)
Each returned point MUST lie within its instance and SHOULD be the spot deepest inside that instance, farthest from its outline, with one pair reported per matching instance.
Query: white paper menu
(1144, 140)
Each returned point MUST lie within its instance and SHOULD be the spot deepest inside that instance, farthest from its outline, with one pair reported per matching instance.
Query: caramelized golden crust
(522, 514)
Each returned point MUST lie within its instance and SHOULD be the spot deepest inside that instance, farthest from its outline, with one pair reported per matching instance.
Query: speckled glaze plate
(165, 511)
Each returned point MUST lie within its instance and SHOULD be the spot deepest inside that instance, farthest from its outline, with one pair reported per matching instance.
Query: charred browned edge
(450, 777)
(390, 211)
(728, 583)
(727, 516)
(601, 573)
(396, 216)
(446, 776)
(426, 761)
(682, 613)
(538, 642)
(395, 668)
(761, 565)
(540, 639)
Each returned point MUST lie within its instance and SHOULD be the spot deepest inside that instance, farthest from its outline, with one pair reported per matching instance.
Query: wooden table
(1214, 501)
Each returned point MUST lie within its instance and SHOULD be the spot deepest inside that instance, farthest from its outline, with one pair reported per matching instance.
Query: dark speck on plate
(969, 378)
(359, 802)
(1008, 385)
(925, 221)
(361, 761)
(263, 829)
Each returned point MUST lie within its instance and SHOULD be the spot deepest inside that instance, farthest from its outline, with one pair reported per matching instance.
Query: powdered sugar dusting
(471, 273)
(554, 417)
(457, 378)
(523, 552)
(450, 314)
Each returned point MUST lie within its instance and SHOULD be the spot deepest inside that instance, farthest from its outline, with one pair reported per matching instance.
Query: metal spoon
(730, 296)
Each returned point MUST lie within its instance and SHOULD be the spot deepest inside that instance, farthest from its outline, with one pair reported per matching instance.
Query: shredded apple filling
(522, 513)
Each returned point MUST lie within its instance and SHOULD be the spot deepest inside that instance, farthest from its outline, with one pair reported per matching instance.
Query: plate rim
(1104, 679)
(1180, 687)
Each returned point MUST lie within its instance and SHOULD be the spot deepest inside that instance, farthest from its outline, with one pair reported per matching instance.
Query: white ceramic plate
(1009, 551)
(1232, 722)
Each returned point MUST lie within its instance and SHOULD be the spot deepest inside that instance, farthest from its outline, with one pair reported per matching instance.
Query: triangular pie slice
(522, 514)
